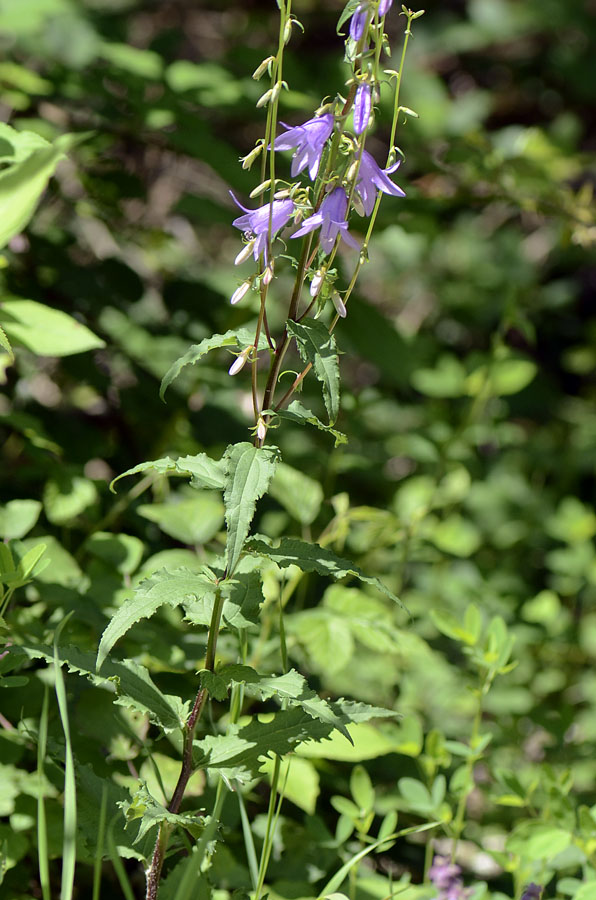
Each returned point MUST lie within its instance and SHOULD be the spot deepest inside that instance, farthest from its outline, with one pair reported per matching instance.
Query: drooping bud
(362, 104)
(249, 159)
(288, 31)
(359, 22)
(239, 362)
(260, 188)
(262, 68)
(261, 429)
(317, 282)
(240, 292)
(268, 274)
(276, 90)
(264, 99)
(245, 253)
(339, 305)
(384, 7)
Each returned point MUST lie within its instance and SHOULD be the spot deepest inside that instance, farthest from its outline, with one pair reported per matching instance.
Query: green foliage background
(468, 399)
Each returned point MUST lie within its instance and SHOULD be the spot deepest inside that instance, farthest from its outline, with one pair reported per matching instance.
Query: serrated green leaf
(133, 684)
(237, 338)
(204, 472)
(237, 753)
(145, 807)
(6, 345)
(300, 415)
(170, 588)
(313, 558)
(318, 347)
(248, 471)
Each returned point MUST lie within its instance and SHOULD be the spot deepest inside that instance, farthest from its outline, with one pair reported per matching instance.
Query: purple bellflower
(332, 219)
(362, 103)
(445, 877)
(309, 140)
(532, 892)
(359, 21)
(371, 178)
(384, 7)
(255, 224)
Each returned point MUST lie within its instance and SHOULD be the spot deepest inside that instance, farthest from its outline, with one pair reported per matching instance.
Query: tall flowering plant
(332, 176)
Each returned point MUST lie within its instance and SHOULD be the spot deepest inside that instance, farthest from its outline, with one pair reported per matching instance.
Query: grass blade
(101, 832)
(69, 842)
(117, 863)
(42, 829)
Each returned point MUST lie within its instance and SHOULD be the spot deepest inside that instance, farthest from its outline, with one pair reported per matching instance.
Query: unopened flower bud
(384, 7)
(261, 429)
(262, 68)
(362, 104)
(351, 173)
(244, 253)
(339, 305)
(249, 159)
(359, 21)
(281, 195)
(240, 292)
(288, 31)
(239, 362)
(276, 91)
(316, 283)
(260, 188)
(268, 274)
(264, 99)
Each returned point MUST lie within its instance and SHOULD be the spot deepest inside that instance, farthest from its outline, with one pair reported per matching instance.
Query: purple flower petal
(371, 178)
(309, 140)
(359, 21)
(332, 219)
(256, 222)
(362, 103)
(384, 7)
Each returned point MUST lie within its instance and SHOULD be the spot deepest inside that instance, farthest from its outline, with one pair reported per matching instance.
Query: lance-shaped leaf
(318, 347)
(237, 754)
(291, 687)
(248, 471)
(300, 415)
(204, 472)
(162, 588)
(313, 558)
(134, 687)
(236, 339)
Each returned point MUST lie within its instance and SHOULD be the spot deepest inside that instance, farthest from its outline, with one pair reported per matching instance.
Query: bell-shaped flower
(362, 103)
(371, 178)
(384, 7)
(359, 21)
(309, 140)
(332, 220)
(255, 223)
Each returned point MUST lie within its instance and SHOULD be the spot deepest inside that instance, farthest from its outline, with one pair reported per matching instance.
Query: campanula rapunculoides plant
(331, 175)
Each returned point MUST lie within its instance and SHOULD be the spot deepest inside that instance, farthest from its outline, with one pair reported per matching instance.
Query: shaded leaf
(318, 347)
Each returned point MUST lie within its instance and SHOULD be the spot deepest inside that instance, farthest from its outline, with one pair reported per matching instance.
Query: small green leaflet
(134, 687)
(203, 471)
(318, 347)
(145, 807)
(300, 415)
(237, 339)
(312, 558)
(171, 588)
(248, 471)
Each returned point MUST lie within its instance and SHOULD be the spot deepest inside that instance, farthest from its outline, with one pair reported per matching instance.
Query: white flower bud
(276, 90)
(261, 429)
(244, 253)
(239, 362)
(260, 188)
(249, 159)
(268, 274)
(264, 99)
(339, 305)
(262, 68)
(240, 292)
(316, 283)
